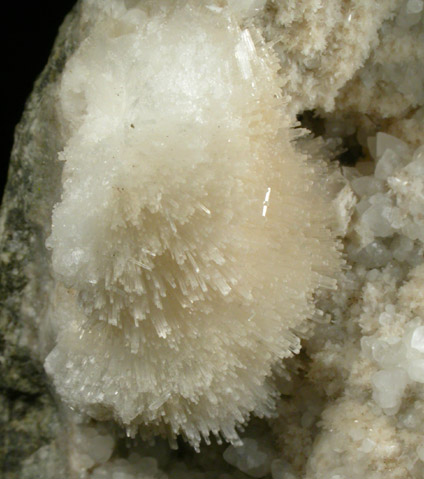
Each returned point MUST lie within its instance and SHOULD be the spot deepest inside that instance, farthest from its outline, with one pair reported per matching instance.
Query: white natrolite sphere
(190, 236)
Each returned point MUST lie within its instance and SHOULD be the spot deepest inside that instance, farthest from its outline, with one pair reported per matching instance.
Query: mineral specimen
(170, 252)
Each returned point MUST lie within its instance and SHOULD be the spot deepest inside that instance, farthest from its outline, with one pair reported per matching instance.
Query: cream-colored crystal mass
(191, 234)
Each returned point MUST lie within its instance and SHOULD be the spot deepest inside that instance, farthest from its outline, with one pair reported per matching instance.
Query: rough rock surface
(29, 417)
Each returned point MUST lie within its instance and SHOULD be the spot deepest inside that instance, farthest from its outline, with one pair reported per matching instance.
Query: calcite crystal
(190, 235)
(170, 245)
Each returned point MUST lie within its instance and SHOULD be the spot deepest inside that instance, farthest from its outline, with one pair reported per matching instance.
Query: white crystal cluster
(401, 361)
(318, 44)
(391, 82)
(191, 235)
(91, 447)
(389, 210)
(367, 363)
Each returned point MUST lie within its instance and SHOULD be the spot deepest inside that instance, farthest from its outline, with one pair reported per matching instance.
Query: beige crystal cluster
(191, 235)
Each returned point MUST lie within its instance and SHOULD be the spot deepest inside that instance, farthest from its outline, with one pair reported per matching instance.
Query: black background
(28, 32)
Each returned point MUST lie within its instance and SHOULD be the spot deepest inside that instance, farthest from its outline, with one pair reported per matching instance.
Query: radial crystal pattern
(191, 235)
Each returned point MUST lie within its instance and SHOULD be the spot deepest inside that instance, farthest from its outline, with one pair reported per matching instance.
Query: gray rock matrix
(29, 418)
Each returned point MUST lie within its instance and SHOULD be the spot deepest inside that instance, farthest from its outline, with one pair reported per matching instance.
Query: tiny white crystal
(249, 458)
(414, 6)
(417, 340)
(388, 388)
(420, 452)
(246, 8)
(386, 165)
(416, 370)
(387, 142)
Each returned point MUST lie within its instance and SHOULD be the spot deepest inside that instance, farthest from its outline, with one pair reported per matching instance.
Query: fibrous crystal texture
(190, 236)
